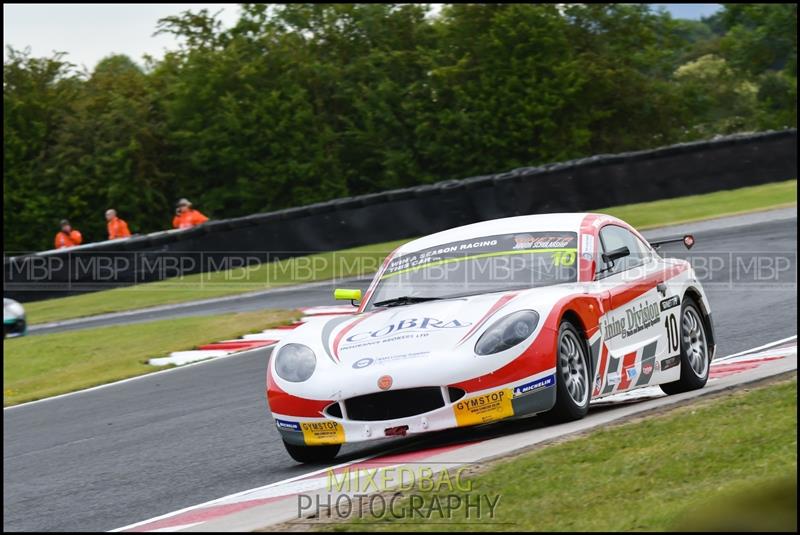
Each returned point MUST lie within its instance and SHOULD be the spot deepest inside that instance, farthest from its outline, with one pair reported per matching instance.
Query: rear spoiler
(688, 241)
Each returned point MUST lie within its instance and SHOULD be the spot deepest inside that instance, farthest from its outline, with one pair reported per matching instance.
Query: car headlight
(507, 332)
(295, 363)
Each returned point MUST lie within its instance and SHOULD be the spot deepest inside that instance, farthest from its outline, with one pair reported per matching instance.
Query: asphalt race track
(306, 295)
(114, 456)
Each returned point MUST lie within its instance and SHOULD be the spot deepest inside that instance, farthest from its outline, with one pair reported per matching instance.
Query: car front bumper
(532, 395)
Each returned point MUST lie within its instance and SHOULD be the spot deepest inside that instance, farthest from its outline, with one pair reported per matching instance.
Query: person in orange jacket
(117, 228)
(67, 236)
(186, 216)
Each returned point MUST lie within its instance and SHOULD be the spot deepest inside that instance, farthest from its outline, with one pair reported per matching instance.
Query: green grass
(46, 365)
(367, 259)
(697, 207)
(712, 464)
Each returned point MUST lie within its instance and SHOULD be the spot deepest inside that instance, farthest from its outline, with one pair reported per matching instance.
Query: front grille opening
(455, 393)
(394, 404)
(334, 410)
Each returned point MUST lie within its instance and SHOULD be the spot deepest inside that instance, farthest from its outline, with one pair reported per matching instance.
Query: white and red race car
(505, 318)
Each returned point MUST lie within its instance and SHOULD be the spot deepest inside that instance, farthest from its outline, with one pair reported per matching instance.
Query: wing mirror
(341, 294)
(687, 240)
(616, 254)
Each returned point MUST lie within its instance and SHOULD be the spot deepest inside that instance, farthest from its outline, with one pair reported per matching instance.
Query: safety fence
(578, 185)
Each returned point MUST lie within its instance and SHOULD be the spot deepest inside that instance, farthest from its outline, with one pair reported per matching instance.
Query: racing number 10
(563, 258)
(673, 341)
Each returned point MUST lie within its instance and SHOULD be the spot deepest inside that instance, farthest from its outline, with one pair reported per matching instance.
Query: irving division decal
(631, 321)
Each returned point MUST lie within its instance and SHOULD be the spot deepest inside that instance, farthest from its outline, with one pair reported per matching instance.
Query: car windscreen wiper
(403, 300)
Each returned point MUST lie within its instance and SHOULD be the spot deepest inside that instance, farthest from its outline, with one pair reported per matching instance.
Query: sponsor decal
(612, 375)
(598, 382)
(467, 249)
(287, 425)
(671, 362)
(631, 321)
(647, 369)
(527, 388)
(587, 246)
(319, 433)
(670, 302)
(385, 382)
(383, 361)
(631, 373)
(363, 363)
(527, 241)
(486, 408)
(408, 325)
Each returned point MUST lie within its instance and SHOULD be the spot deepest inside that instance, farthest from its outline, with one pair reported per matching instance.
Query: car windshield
(481, 265)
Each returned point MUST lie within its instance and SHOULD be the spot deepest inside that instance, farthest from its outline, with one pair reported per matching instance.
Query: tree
(36, 94)
(301, 103)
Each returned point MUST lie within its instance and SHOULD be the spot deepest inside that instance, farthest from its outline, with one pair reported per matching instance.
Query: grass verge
(47, 365)
(720, 462)
(709, 205)
(367, 259)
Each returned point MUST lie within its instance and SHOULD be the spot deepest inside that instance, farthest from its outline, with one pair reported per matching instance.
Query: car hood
(429, 343)
(412, 331)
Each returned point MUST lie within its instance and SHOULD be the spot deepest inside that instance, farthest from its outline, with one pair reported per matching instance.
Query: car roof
(564, 222)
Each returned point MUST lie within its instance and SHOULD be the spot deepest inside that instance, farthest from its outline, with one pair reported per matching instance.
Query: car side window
(613, 237)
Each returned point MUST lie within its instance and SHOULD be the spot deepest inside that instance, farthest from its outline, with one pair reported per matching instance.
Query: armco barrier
(585, 184)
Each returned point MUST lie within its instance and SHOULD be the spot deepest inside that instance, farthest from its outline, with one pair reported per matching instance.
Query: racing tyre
(312, 454)
(573, 386)
(695, 355)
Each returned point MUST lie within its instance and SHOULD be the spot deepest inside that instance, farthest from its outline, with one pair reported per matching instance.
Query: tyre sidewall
(689, 378)
(566, 408)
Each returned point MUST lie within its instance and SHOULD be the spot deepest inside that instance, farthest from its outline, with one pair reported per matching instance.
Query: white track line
(756, 349)
(244, 492)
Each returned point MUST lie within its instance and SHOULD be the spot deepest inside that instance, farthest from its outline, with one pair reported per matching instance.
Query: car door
(632, 326)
